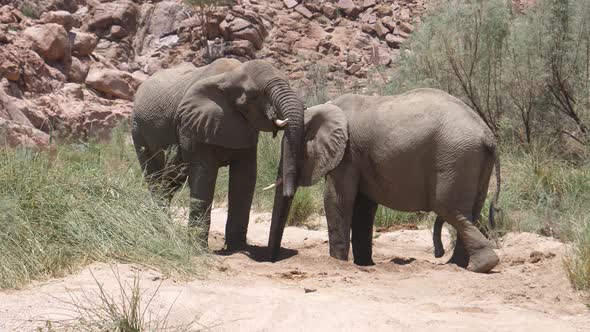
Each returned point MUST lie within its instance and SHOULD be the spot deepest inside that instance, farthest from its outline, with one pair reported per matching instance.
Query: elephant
(423, 150)
(188, 121)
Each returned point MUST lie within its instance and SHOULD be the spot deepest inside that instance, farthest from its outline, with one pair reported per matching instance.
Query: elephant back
(158, 97)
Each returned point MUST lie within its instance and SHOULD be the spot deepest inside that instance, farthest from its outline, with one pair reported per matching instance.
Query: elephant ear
(326, 136)
(207, 114)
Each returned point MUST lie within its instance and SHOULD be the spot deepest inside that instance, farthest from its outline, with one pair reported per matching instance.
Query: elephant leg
(472, 250)
(201, 176)
(439, 249)
(363, 218)
(242, 181)
(164, 176)
(339, 196)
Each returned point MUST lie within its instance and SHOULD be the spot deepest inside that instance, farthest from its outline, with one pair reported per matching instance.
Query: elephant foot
(439, 252)
(235, 245)
(460, 257)
(339, 254)
(364, 262)
(483, 260)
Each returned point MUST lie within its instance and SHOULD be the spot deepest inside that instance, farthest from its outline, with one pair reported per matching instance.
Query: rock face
(112, 82)
(73, 68)
(61, 17)
(50, 41)
(84, 43)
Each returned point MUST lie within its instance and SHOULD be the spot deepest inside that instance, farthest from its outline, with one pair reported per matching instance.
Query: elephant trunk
(280, 213)
(289, 107)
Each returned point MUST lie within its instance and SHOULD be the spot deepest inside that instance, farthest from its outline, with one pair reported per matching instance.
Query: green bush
(82, 203)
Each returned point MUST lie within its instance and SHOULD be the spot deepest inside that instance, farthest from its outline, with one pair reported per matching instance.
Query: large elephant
(423, 150)
(189, 121)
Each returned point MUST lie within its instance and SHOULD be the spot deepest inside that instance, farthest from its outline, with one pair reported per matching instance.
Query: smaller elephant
(423, 150)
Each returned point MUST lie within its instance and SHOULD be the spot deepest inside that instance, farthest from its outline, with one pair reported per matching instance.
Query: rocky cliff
(69, 68)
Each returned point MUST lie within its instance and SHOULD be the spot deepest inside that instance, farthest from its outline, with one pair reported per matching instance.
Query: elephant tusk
(281, 123)
(273, 185)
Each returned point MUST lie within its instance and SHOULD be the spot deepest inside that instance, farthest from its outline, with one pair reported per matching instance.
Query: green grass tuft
(79, 204)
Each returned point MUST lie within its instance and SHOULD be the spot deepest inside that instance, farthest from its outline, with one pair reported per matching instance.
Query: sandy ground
(407, 290)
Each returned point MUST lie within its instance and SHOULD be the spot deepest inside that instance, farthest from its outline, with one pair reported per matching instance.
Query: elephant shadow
(258, 253)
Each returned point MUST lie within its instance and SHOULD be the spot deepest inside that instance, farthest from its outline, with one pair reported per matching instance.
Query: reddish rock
(381, 29)
(353, 69)
(330, 10)
(304, 12)
(394, 41)
(389, 23)
(118, 32)
(383, 10)
(84, 42)
(9, 15)
(78, 71)
(368, 28)
(369, 3)
(290, 3)
(13, 134)
(51, 41)
(61, 17)
(406, 27)
(349, 8)
(112, 82)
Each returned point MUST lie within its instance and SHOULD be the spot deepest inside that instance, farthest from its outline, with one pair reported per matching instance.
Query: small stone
(355, 67)
(394, 41)
(368, 28)
(349, 8)
(369, 3)
(304, 12)
(290, 3)
(406, 27)
(329, 10)
(118, 32)
(309, 290)
(381, 29)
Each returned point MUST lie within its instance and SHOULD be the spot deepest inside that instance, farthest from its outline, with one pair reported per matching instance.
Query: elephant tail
(494, 206)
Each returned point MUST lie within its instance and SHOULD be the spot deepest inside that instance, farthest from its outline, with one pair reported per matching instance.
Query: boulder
(118, 32)
(62, 17)
(51, 41)
(9, 15)
(112, 82)
(329, 10)
(10, 110)
(381, 29)
(78, 71)
(369, 3)
(304, 12)
(84, 42)
(73, 90)
(406, 27)
(290, 3)
(13, 134)
(394, 41)
(120, 12)
(349, 8)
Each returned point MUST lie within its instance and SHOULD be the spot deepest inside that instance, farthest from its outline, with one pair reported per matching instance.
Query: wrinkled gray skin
(419, 151)
(189, 121)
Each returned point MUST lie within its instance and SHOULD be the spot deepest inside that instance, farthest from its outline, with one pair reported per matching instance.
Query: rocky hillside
(69, 68)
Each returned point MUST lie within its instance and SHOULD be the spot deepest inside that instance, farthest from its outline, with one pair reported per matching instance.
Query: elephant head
(251, 91)
(324, 142)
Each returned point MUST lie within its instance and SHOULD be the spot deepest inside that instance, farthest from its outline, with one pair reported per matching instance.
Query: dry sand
(407, 290)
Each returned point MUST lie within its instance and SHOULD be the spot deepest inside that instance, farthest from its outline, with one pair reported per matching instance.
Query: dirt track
(407, 289)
